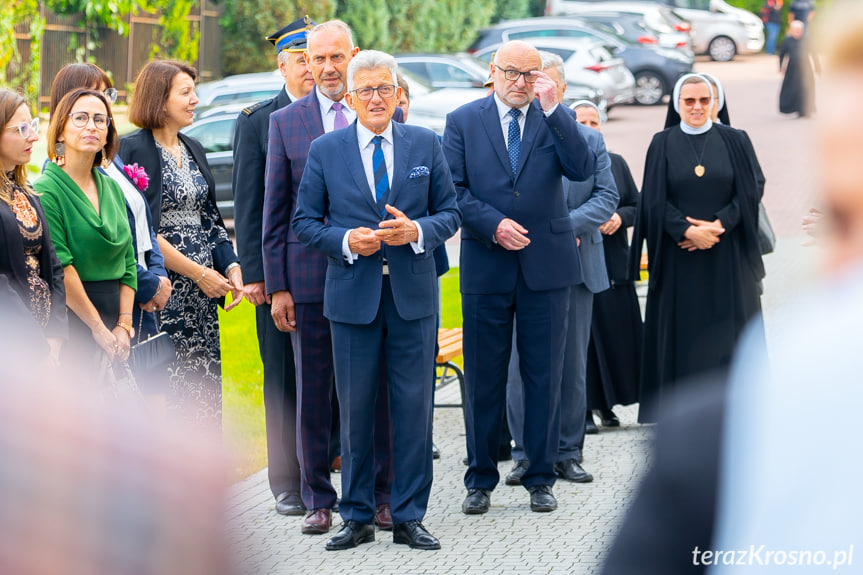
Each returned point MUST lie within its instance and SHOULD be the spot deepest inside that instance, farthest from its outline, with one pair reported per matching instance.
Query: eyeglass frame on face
(690, 102)
(94, 117)
(369, 91)
(529, 78)
(25, 128)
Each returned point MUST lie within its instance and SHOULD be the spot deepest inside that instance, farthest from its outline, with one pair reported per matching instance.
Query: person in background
(405, 99)
(699, 214)
(28, 260)
(86, 215)
(797, 95)
(199, 256)
(248, 179)
(154, 287)
(771, 15)
(801, 11)
(614, 354)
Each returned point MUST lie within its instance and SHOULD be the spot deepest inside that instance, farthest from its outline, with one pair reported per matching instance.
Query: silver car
(586, 63)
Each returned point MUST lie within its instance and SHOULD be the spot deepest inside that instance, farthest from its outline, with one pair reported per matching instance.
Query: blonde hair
(9, 104)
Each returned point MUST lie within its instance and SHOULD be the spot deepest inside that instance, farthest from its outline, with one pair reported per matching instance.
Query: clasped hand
(398, 231)
(701, 235)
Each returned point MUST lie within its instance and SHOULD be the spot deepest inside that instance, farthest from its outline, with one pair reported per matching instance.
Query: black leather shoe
(351, 534)
(477, 502)
(414, 535)
(590, 427)
(290, 504)
(609, 419)
(542, 499)
(514, 476)
(570, 470)
(435, 451)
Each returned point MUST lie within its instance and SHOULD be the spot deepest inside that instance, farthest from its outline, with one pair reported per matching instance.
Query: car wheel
(649, 88)
(722, 49)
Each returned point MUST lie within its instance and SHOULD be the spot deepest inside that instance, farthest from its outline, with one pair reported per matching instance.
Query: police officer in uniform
(250, 159)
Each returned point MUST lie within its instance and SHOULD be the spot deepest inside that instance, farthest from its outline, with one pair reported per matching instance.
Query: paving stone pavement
(511, 538)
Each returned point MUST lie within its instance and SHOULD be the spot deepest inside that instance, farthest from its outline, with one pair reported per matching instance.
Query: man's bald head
(521, 57)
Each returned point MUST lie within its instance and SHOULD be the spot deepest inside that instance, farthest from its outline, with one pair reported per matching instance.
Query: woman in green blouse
(86, 215)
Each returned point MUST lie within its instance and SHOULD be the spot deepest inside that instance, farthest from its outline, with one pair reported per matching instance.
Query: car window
(215, 135)
(548, 33)
(441, 72)
(251, 95)
(417, 68)
(562, 52)
(693, 4)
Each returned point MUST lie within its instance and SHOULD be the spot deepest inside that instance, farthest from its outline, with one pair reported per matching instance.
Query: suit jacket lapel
(528, 136)
(401, 155)
(311, 115)
(491, 123)
(354, 164)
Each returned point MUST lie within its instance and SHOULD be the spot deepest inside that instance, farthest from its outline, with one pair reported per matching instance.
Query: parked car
(718, 29)
(639, 22)
(586, 62)
(241, 88)
(445, 70)
(655, 69)
(216, 134)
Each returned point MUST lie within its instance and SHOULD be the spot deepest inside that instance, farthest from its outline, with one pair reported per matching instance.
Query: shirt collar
(503, 108)
(364, 135)
(327, 104)
(291, 96)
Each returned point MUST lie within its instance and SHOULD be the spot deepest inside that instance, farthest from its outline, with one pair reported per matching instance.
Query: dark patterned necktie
(382, 181)
(514, 145)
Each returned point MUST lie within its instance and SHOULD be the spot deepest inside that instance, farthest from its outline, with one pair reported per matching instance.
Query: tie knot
(377, 140)
(337, 106)
(515, 113)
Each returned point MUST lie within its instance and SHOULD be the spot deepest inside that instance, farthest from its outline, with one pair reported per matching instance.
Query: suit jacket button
(515, 193)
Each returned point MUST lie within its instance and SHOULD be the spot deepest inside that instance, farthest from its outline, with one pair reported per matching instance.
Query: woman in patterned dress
(28, 262)
(200, 258)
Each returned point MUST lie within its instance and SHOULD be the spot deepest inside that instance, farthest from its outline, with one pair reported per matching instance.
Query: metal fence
(121, 56)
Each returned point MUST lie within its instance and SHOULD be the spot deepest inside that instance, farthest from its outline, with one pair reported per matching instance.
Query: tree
(177, 36)
(14, 69)
(247, 23)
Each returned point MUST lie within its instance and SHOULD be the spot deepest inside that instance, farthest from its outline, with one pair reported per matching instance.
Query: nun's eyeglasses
(690, 102)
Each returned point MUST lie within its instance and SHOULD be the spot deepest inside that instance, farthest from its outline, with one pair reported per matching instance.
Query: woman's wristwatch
(128, 327)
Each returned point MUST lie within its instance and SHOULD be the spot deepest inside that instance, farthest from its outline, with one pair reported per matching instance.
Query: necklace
(699, 167)
(176, 151)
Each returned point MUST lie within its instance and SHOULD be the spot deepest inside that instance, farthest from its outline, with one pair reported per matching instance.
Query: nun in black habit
(698, 211)
(797, 95)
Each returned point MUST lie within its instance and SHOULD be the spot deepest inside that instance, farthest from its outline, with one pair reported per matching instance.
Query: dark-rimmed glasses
(26, 128)
(385, 91)
(81, 119)
(512, 75)
(690, 102)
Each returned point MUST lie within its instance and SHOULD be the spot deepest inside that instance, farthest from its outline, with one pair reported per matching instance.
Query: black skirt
(81, 351)
(614, 353)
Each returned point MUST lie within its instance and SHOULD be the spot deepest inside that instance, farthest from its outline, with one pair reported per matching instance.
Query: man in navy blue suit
(377, 198)
(508, 154)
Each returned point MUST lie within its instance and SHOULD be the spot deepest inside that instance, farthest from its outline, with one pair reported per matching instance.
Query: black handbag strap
(141, 325)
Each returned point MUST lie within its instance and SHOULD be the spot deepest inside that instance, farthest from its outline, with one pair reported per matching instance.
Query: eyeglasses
(111, 95)
(690, 102)
(512, 75)
(81, 119)
(385, 91)
(26, 128)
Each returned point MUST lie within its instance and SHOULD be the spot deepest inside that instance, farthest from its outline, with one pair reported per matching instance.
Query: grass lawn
(242, 385)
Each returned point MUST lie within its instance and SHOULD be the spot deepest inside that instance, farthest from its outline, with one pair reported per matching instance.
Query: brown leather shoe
(317, 522)
(383, 518)
(336, 465)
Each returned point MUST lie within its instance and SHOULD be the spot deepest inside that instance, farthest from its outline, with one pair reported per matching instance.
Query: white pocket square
(418, 172)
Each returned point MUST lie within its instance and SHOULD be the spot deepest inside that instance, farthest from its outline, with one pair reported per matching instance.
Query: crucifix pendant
(699, 170)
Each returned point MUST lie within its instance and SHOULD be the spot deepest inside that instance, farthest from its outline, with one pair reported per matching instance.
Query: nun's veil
(672, 118)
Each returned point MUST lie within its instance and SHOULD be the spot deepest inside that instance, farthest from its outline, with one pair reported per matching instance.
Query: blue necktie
(514, 145)
(382, 181)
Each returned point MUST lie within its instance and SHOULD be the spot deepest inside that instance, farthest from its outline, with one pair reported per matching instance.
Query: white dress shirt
(367, 150)
(328, 115)
(505, 118)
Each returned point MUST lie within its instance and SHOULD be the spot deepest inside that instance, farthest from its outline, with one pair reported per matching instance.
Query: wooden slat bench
(449, 348)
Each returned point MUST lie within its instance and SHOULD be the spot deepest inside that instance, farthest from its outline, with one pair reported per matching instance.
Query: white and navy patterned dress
(190, 223)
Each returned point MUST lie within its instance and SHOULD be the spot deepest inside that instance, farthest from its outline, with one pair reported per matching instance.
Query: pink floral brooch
(138, 175)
